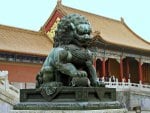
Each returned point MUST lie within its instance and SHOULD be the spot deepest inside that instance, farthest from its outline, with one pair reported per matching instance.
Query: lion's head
(73, 29)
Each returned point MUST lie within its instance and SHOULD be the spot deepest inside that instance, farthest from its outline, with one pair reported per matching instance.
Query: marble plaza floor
(141, 112)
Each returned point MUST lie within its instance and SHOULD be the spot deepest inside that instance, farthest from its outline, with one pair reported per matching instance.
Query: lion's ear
(72, 26)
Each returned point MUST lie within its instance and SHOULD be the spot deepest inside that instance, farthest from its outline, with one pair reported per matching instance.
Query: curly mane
(64, 33)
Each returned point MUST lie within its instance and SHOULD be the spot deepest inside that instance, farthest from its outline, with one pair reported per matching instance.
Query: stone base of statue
(72, 111)
(68, 98)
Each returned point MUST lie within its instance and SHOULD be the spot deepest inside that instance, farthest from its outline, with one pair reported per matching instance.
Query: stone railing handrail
(12, 88)
(126, 85)
(3, 73)
(4, 84)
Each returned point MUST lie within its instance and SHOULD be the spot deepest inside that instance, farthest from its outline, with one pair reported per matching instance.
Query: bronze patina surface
(71, 56)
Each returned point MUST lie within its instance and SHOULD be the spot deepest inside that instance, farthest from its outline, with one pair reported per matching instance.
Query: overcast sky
(32, 14)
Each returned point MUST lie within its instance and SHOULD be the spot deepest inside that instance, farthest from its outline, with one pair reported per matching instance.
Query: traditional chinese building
(22, 53)
(120, 51)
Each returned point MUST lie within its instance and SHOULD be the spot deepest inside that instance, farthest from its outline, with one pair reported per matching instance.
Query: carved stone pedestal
(68, 98)
(71, 111)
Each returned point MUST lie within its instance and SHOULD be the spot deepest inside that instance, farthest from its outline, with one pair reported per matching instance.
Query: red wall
(20, 72)
(114, 68)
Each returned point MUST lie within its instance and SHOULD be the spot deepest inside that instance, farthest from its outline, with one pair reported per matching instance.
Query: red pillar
(140, 71)
(103, 67)
(94, 63)
(121, 69)
(109, 73)
(128, 69)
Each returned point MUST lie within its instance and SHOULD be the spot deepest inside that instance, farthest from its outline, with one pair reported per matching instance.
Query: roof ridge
(12, 28)
(91, 13)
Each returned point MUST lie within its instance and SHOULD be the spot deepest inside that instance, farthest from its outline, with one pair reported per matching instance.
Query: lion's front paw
(99, 84)
(81, 74)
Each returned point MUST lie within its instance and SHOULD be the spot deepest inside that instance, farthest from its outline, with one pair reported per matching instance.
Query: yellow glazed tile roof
(24, 41)
(111, 31)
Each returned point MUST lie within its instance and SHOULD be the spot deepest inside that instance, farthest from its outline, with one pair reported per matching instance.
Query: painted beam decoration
(51, 32)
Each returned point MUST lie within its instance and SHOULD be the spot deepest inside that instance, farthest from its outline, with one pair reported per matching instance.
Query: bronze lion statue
(70, 61)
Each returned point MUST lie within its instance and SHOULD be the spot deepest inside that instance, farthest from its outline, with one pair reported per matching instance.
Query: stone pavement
(141, 112)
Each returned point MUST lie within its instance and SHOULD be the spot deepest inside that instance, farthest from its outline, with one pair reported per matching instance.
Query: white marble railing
(126, 85)
(4, 79)
(4, 84)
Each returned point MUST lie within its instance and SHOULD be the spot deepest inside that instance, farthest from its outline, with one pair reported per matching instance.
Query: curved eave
(24, 53)
(138, 37)
(122, 46)
(128, 46)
